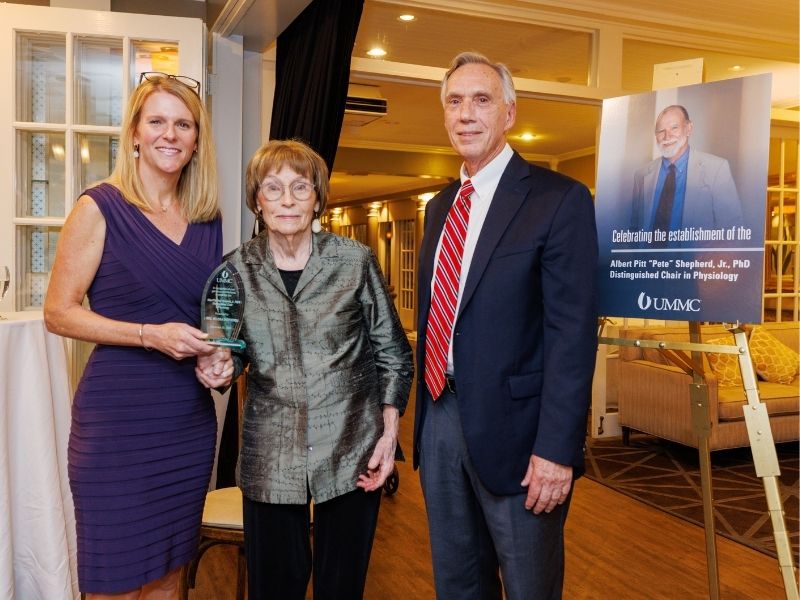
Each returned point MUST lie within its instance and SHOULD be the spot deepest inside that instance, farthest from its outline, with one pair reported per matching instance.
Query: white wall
(226, 115)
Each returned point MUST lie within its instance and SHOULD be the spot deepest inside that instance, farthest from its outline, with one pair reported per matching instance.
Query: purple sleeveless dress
(143, 431)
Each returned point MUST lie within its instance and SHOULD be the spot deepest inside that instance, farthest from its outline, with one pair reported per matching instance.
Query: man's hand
(548, 484)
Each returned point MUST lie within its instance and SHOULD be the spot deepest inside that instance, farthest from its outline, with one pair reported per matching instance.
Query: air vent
(364, 104)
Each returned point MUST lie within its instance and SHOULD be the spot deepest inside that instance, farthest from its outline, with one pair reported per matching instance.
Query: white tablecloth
(37, 520)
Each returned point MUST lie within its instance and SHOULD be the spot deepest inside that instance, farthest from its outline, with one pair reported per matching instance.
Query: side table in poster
(222, 307)
(680, 202)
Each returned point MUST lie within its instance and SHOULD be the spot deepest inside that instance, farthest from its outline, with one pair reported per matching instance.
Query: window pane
(407, 263)
(36, 248)
(98, 81)
(154, 56)
(40, 174)
(40, 90)
(96, 155)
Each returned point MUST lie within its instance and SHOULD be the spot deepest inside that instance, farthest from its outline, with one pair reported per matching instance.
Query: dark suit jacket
(525, 337)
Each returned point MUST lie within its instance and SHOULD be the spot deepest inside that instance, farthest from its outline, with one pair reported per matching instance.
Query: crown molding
(230, 16)
(580, 153)
(440, 150)
(396, 147)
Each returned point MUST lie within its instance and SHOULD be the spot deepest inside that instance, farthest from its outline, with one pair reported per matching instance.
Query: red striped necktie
(444, 295)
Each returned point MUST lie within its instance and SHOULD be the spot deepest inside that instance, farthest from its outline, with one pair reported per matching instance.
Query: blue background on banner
(718, 280)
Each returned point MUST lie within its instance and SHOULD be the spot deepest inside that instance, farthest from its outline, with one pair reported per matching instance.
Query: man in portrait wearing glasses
(683, 188)
(506, 349)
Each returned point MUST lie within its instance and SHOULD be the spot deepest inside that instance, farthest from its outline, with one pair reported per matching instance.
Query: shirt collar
(680, 164)
(485, 181)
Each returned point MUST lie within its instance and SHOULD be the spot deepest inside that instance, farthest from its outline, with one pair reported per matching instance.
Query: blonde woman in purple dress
(141, 246)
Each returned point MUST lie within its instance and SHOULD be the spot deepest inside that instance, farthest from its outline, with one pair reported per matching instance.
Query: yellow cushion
(774, 360)
(223, 508)
(725, 366)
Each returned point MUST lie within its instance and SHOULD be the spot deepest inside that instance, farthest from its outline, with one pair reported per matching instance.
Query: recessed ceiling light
(736, 68)
(526, 137)
(376, 52)
(406, 18)
(426, 196)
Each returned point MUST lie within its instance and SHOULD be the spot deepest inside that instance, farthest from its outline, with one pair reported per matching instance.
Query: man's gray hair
(682, 109)
(475, 58)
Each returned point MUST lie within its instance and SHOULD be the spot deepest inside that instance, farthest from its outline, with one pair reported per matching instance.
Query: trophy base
(226, 343)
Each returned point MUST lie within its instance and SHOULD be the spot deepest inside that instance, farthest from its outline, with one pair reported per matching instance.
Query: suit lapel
(259, 254)
(508, 197)
(650, 180)
(314, 264)
(697, 204)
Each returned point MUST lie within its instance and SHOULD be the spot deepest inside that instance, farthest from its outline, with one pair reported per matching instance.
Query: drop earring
(316, 226)
(136, 151)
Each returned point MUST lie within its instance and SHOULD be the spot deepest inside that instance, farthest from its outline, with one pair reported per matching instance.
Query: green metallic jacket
(322, 364)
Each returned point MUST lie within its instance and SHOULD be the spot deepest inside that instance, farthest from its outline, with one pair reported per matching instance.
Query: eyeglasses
(273, 190)
(156, 75)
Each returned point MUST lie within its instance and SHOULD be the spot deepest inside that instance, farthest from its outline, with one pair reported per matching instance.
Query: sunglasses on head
(192, 84)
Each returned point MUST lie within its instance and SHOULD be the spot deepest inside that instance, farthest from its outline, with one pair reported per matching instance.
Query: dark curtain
(312, 73)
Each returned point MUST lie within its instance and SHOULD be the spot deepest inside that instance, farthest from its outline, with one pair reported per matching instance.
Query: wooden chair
(222, 522)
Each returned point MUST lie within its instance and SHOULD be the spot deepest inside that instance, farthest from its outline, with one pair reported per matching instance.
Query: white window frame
(188, 33)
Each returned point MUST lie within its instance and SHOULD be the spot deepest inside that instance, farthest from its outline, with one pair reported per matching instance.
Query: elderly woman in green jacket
(329, 376)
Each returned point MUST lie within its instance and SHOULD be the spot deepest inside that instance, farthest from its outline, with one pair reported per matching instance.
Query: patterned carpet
(667, 476)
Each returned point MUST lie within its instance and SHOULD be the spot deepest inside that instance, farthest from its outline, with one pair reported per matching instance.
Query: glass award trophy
(222, 308)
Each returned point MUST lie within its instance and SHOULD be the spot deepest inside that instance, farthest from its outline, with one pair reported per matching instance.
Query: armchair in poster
(680, 202)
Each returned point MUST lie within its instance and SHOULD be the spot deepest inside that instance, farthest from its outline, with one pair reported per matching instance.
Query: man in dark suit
(504, 389)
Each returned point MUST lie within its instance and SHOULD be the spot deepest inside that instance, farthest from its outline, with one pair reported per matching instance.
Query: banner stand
(688, 356)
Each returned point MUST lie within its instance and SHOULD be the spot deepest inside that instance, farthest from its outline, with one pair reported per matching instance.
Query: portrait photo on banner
(680, 201)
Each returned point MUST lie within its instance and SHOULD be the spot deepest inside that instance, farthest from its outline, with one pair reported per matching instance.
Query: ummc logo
(689, 305)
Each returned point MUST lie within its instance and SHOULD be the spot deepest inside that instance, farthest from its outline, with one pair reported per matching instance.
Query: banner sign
(681, 202)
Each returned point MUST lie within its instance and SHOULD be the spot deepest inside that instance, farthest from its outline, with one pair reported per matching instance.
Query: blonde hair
(198, 193)
(276, 154)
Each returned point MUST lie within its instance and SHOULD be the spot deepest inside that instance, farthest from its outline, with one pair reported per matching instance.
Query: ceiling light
(426, 196)
(376, 52)
(736, 68)
(406, 18)
(526, 137)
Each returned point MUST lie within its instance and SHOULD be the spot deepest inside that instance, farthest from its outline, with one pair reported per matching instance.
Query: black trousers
(277, 545)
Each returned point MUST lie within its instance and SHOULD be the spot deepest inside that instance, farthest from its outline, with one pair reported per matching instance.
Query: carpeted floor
(667, 476)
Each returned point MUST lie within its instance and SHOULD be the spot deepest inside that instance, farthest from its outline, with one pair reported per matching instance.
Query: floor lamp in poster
(680, 214)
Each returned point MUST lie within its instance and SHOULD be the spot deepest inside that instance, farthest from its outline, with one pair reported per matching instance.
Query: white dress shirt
(485, 183)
